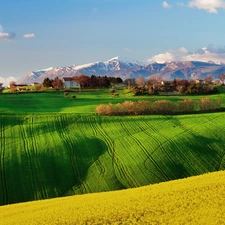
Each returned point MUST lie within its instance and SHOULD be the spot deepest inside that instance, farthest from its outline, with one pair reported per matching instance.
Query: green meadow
(85, 102)
(54, 146)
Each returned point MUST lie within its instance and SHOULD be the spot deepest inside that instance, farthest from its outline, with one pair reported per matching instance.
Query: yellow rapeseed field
(195, 200)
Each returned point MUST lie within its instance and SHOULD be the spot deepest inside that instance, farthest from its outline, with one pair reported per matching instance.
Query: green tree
(47, 82)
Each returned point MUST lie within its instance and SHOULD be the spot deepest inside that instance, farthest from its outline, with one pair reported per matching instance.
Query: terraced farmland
(46, 156)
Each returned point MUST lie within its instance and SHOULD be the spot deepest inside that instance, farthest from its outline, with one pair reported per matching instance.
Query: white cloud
(7, 36)
(127, 50)
(163, 57)
(209, 5)
(206, 54)
(166, 5)
(170, 55)
(28, 35)
(7, 80)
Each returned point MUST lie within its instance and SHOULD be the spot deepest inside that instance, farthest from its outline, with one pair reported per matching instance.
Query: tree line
(85, 81)
(155, 84)
(164, 107)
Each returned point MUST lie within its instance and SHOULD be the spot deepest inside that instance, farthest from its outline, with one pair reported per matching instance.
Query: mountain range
(126, 68)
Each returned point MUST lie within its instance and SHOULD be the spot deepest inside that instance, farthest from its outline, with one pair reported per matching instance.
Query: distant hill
(195, 200)
(126, 68)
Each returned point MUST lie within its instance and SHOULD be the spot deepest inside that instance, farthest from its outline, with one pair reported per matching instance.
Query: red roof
(67, 78)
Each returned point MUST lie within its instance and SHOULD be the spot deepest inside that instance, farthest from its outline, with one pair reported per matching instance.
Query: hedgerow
(144, 107)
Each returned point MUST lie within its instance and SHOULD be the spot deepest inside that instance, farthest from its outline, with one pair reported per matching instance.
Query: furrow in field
(192, 141)
(144, 150)
(131, 156)
(2, 166)
(167, 146)
(208, 149)
(111, 143)
(29, 159)
(100, 130)
(91, 153)
(150, 131)
(67, 143)
(160, 145)
(37, 164)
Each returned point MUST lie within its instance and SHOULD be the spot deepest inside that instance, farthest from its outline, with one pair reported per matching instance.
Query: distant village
(139, 86)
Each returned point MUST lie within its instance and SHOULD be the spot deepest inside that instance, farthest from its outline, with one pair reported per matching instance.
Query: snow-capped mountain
(116, 66)
(126, 68)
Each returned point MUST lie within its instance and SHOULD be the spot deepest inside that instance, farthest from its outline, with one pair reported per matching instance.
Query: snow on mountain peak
(126, 61)
(44, 70)
(78, 67)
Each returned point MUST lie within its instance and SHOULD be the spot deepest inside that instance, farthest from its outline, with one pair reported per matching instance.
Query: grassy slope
(196, 200)
(86, 102)
(46, 156)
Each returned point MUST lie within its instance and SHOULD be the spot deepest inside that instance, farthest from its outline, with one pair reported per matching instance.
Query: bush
(166, 107)
(104, 109)
(112, 91)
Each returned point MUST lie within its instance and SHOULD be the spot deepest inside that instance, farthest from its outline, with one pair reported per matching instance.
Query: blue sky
(37, 34)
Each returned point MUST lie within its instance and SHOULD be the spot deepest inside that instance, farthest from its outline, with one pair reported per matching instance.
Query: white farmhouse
(69, 82)
(34, 84)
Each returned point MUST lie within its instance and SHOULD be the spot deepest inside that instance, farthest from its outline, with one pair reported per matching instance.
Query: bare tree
(180, 89)
(57, 83)
(155, 81)
(140, 81)
(221, 77)
(208, 79)
(12, 86)
(217, 82)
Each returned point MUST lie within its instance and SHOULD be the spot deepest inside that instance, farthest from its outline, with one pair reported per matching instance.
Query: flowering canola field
(195, 200)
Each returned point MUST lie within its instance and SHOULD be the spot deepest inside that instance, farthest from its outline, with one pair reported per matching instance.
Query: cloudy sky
(49, 33)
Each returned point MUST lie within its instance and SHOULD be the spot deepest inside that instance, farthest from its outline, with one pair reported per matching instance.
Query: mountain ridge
(127, 68)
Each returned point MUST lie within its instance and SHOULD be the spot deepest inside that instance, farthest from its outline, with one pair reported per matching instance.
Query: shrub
(112, 91)
(143, 107)
(104, 109)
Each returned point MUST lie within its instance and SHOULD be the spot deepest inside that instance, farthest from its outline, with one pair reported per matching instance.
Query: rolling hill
(53, 155)
(195, 200)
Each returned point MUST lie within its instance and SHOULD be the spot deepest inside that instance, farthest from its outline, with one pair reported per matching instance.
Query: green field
(52, 146)
(45, 156)
(86, 102)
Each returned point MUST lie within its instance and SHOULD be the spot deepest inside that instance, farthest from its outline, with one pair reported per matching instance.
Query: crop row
(50, 156)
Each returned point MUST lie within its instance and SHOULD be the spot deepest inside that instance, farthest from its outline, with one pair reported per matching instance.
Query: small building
(69, 82)
(199, 81)
(34, 84)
